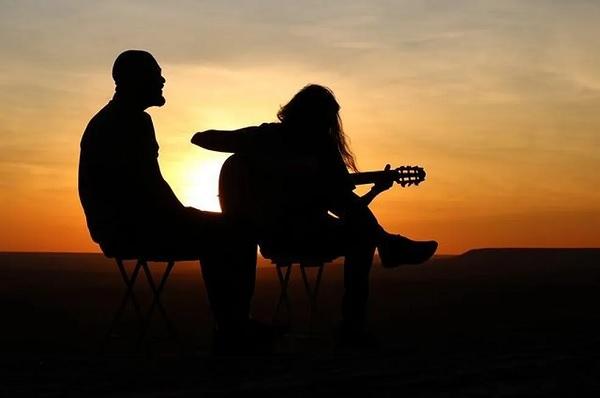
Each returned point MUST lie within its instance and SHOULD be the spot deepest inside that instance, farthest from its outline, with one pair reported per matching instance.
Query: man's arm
(143, 174)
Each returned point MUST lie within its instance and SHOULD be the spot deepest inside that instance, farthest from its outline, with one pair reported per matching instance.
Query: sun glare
(199, 183)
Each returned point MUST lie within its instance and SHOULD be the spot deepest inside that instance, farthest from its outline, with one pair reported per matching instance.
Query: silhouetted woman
(304, 200)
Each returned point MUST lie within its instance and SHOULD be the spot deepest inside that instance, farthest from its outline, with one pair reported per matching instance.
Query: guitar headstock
(409, 175)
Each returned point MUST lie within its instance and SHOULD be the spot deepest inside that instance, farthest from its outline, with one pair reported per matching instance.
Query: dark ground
(502, 323)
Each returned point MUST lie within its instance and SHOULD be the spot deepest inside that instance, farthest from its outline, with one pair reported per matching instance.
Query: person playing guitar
(290, 181)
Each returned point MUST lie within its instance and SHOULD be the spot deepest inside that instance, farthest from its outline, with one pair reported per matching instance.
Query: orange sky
(497, 100)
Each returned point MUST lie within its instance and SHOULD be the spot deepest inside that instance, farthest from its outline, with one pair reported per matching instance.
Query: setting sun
(197, 184)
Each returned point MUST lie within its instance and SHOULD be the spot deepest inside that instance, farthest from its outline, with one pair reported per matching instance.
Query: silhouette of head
(138, 78)
(315, 111)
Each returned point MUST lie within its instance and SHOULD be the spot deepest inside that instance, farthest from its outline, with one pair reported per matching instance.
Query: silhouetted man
(130, 208)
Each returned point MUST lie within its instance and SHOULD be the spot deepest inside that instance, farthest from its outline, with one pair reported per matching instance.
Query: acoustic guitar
(255, 195)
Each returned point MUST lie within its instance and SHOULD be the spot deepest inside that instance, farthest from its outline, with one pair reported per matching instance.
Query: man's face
(152, 85)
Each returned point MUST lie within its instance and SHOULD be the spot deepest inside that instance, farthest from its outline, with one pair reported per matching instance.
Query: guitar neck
(367, 177)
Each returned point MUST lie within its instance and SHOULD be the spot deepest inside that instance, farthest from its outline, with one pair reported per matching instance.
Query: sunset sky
(498, 100)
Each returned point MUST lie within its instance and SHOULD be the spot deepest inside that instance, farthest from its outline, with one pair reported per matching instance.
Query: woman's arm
(382, 185)
(265, 143)
(367, 198)
(352, 202)
(225, 141)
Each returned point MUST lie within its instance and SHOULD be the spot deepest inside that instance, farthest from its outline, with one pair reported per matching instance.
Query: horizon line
(436, 255)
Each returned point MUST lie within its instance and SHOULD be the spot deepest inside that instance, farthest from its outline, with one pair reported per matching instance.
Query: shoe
(396, 250)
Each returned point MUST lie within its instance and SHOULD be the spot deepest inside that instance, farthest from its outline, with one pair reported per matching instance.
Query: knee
(362, 239)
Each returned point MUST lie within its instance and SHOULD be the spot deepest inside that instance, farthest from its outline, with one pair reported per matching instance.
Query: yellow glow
(198, 186)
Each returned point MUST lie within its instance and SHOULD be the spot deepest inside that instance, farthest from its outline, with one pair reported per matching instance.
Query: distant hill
(530, 255)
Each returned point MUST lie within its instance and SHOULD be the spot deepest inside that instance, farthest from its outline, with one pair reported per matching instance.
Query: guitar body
(278, 209)
(255, 190)
(235, 188)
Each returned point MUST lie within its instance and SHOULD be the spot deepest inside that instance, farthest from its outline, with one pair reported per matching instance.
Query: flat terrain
(493, 322)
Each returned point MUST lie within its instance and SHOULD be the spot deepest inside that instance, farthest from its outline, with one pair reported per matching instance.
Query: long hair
(314, 108)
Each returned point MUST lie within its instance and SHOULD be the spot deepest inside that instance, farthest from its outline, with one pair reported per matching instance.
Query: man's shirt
(121, 188)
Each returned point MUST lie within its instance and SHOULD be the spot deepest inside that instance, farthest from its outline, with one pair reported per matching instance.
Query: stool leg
(129, 295)
(156, 303)
(312, 292)
(130, 282)
(284, 283)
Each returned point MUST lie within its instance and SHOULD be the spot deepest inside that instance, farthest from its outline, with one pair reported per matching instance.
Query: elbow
(201, 139)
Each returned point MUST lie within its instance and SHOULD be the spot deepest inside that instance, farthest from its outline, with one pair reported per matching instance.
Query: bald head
(138, 78)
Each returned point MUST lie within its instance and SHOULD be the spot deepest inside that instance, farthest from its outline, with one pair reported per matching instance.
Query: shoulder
(111, 117)
(270, 128)
(146, 117)
(265, 134)
(101, 121)
(103, 116)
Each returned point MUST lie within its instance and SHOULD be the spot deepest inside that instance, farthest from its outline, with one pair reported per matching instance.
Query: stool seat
(158, 258)
(308, 257)
(283, 261)
(281, 250)
(125, 252)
